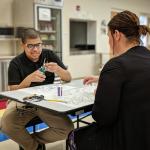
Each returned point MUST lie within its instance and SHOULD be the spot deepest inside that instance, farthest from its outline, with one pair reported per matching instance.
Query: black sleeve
(107, 98)
(56, 59)
(14, 77)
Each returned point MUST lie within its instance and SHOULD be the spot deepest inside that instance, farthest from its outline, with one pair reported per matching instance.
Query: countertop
(6, 58)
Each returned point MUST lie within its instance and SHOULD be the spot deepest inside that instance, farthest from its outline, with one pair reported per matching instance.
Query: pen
(55, 100)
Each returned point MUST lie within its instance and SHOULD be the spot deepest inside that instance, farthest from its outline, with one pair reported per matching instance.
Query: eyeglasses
(32, 46)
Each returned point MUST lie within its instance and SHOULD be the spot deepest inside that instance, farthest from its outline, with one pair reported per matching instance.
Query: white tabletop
(74, 95)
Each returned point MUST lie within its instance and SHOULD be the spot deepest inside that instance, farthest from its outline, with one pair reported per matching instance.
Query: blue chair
(33, 123)
(77, 118)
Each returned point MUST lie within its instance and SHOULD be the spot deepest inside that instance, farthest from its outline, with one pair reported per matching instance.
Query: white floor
(60, 145)
(10, 145)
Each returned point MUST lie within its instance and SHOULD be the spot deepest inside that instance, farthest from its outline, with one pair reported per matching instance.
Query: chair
(35, 121)
(77, 118)
(80, 114)
(84, 138)
(3, 136)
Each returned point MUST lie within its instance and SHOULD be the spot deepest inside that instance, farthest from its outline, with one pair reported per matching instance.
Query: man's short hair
(29, 33)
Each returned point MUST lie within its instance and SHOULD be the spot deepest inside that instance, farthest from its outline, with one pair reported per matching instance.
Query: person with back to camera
(24, 72)
(122, 102)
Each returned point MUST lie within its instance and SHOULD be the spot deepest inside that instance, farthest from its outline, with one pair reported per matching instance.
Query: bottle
(59, 89)
(58, 84)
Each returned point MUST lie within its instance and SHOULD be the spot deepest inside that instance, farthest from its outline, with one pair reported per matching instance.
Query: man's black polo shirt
(20, 67)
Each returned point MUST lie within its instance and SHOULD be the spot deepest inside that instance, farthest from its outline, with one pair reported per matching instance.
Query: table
(76, 98)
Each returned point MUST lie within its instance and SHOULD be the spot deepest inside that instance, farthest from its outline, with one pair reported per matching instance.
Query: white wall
(6, 20)
(98, 10)
(6, 13)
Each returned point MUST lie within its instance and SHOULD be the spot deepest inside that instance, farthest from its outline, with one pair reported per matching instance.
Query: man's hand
(52, 67)
(55, 68)
(36, 76)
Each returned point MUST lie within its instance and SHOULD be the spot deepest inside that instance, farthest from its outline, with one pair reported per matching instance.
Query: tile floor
(10, 145)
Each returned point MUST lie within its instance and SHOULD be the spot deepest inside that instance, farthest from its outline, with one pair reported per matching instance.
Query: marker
(59, 90)
(55, 100)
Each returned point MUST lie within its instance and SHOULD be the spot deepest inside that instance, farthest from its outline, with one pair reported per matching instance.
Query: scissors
(34, 98)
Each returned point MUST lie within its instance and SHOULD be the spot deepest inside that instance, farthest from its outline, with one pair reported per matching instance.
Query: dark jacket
(122, 102)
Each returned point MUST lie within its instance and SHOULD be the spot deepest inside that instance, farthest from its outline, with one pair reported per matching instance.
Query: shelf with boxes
(48, 33)
(49, 40)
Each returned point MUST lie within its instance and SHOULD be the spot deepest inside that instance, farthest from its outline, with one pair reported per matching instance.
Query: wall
(6, 13)
(6, 20)
(23, 13)
(98, 10)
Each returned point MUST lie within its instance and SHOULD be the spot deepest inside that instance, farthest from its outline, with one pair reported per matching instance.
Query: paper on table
(49, 91)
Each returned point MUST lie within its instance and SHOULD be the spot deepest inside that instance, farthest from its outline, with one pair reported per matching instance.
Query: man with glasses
(24, 71)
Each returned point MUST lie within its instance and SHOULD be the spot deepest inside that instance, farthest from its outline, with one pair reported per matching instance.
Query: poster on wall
(44, 14)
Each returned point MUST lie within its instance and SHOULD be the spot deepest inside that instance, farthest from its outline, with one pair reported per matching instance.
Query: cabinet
(48, 23)
(82, 36)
